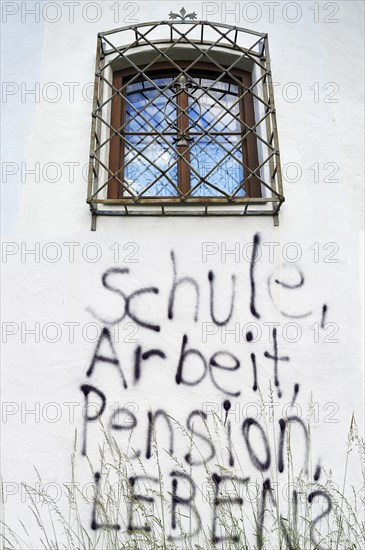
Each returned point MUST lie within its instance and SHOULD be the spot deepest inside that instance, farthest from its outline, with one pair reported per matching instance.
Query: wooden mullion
(183, 161)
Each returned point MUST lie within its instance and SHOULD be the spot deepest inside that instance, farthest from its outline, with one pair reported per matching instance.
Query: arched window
(183, 132)
(184, 122)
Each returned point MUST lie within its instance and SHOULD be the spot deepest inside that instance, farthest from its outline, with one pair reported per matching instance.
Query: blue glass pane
(157, 164)
(150, 161)
(211, 161)
(218, 158)
(146, 106)
(214, 134)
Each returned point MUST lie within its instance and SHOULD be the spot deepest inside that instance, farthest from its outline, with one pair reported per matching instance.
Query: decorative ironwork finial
(192, 112)
(183, 15)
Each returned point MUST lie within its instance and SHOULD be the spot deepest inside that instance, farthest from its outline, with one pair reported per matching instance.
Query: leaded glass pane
(209, 159)
(218, 158)
(140, 172)
(212, 132)
(147, 157)
(146, 101)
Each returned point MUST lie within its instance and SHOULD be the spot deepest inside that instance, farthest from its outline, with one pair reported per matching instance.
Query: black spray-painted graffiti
(214, 369)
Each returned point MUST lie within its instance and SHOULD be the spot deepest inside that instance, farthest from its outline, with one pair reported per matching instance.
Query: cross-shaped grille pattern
(171, 138)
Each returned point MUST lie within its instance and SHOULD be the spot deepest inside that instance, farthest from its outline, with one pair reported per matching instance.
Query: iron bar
(181, 33)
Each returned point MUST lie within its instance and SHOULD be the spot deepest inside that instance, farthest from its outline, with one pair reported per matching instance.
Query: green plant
(290, 523)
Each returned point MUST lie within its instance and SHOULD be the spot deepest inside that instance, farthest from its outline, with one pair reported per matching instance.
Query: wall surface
(295, 289)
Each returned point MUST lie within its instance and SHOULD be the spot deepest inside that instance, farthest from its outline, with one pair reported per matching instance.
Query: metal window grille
(228, 49)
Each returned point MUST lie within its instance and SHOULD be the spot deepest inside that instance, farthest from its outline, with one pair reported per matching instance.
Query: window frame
(248, 147)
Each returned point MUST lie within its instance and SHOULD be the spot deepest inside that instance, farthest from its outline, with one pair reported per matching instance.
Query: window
(183, 122)
(183, 133)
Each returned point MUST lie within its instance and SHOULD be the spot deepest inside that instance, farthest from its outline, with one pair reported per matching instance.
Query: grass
(288, 523)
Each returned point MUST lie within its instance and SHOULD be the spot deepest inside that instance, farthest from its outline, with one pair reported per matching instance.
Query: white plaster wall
(36, 212)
